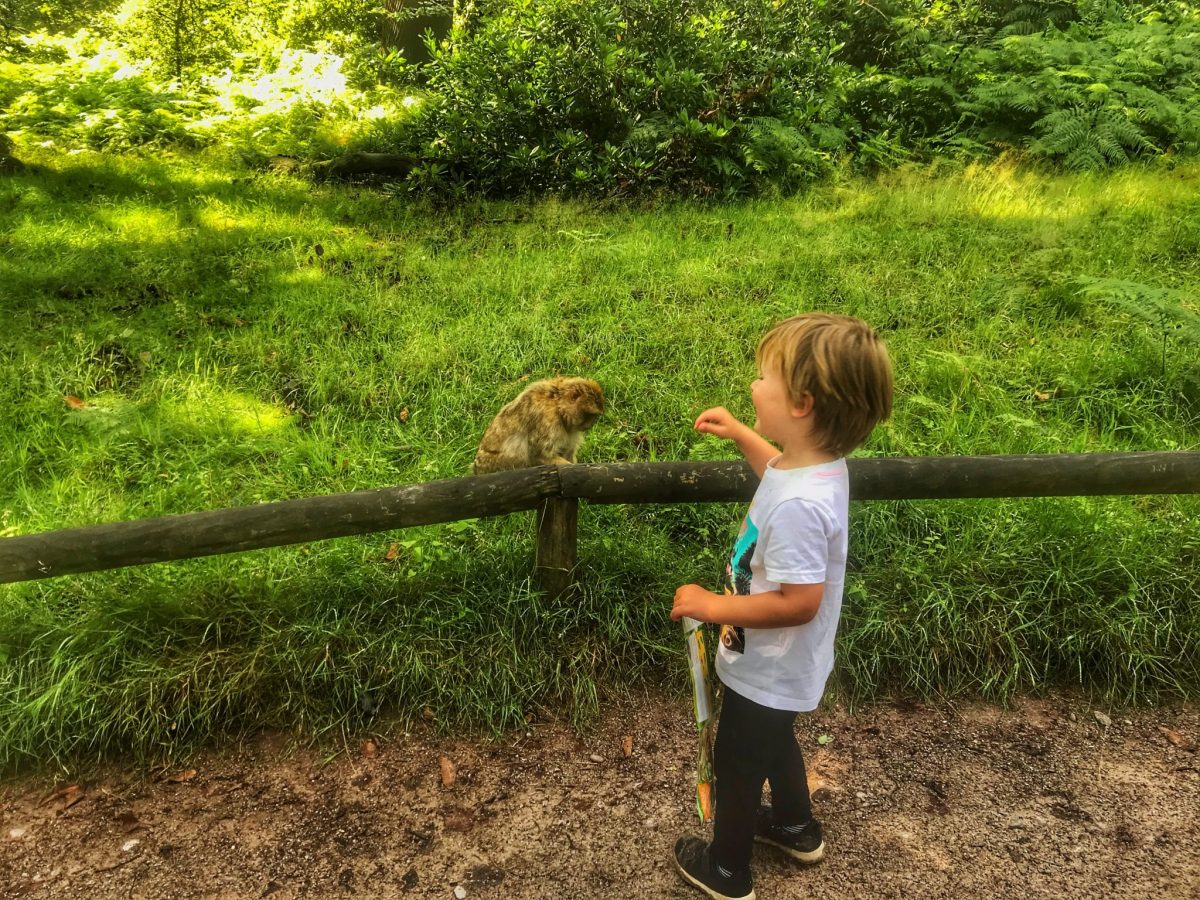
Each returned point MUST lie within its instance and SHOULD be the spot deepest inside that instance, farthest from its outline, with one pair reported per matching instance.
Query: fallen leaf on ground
(824, 771)
(1183, 742)
(182, 777)
(74, 402)
(449, 772)
(627, 745)
(459, 820)
(815, 782)
(72, 794)
(392, 552)
(368, 748)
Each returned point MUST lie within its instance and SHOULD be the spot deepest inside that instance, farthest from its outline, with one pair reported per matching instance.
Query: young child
(824, 382)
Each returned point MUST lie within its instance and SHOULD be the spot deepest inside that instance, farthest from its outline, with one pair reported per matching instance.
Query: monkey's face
(586, 399)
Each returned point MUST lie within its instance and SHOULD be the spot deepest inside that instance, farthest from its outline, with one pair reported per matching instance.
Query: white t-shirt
(795, 532)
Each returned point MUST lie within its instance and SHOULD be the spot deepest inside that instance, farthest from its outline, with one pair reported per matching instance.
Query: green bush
(93, 96)
(628, 97)
(1088, 85)
(1092, 99)
(625, 96)
(721, 99)
(86, 93)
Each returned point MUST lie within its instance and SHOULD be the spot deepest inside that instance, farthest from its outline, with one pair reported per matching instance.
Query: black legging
(754, 744)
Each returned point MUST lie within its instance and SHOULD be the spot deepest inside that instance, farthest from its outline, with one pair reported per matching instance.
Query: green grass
(237, 338)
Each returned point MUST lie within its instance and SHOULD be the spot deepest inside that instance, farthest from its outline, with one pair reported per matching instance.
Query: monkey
(545, 424)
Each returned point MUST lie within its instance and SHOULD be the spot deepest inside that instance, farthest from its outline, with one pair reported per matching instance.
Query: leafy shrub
(1084, 84)
(94, 96)
(625, 96)
(90, 95)
(705, 98)
(1092, 100)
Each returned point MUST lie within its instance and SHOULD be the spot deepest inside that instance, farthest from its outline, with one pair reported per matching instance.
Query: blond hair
(843, 364)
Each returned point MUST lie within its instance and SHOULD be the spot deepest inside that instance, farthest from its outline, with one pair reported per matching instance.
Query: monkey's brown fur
(545, 424)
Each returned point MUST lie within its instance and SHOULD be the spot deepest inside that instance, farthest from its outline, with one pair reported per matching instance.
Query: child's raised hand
(718, 421)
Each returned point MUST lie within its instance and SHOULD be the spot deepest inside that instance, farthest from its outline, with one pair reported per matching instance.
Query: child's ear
(804, 407)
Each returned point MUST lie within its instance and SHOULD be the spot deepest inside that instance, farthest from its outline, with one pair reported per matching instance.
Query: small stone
(129, 845)
(1103, 719)
(460, 892)
(596, 757)
(16, 834)
(650, 823)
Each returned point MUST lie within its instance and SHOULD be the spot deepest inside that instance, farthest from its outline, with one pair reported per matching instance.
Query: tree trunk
(391, 165)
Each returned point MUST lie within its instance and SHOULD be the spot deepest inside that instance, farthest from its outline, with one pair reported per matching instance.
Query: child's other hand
(718, 421)
(695, 602)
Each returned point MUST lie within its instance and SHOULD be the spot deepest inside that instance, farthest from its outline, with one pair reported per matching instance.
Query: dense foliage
(703, 98)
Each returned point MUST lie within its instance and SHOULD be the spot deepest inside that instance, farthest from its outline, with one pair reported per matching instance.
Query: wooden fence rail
(555, 492)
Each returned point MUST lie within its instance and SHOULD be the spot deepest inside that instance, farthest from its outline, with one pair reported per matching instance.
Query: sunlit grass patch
(176, 341)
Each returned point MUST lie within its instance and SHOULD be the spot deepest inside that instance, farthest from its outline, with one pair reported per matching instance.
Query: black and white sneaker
(697, 868)
(802, 843)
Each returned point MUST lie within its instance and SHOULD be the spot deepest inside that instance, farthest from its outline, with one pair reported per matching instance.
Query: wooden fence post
(554, 565)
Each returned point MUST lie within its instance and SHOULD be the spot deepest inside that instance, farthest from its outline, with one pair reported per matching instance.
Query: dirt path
(969, 801)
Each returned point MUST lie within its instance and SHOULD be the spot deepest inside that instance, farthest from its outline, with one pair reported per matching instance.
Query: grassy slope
(239, 339)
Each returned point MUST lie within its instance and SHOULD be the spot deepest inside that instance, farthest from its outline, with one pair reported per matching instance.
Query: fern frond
(1161, 307)
(1063, 130)
(1086, 157)
(1008, 94)
(1117, 126)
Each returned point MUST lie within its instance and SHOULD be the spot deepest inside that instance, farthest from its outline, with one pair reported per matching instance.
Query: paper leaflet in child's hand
(702, 707)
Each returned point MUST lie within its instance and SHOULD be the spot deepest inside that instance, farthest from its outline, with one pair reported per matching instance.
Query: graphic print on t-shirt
(737, 581)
